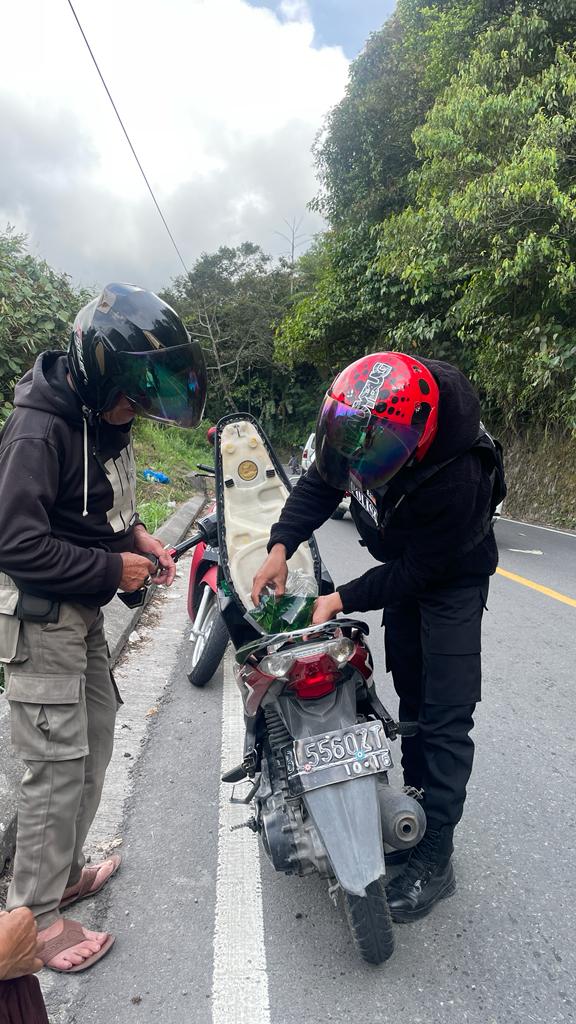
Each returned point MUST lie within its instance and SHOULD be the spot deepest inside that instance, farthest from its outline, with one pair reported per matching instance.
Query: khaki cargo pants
(62, 705)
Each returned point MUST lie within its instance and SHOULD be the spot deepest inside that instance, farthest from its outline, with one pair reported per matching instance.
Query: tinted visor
(353, 443)
(168, 384)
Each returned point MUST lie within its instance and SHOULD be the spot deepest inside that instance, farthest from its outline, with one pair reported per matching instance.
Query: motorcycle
(316, 753)
(208, 634)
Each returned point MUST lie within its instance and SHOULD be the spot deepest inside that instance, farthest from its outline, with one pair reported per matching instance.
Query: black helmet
(130, 342)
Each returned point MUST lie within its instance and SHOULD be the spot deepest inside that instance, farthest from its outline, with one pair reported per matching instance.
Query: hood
(46, 387)
(458, 412)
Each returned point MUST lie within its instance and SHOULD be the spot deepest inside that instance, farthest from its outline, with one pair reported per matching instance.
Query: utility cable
(135, 155)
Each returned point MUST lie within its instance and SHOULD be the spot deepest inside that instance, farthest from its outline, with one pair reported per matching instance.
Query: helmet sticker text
(370, 392)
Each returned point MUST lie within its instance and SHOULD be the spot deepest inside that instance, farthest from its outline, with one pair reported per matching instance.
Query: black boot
(427, 878)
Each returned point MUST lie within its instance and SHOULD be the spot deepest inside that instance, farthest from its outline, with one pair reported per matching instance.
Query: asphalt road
(501, 951)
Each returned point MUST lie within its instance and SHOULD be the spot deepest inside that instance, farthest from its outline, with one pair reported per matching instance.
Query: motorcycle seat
(254, 495)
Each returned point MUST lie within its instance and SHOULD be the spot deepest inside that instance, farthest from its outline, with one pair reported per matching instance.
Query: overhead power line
(134, 153)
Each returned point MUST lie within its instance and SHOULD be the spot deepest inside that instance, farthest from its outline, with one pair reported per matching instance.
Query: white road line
(525, 551)
(240, 980)
(534, 526)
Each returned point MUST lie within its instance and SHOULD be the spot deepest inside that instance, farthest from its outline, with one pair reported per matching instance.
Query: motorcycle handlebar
(185, 545)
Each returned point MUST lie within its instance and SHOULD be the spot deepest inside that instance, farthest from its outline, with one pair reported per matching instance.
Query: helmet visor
(355, 447)
(167, 385)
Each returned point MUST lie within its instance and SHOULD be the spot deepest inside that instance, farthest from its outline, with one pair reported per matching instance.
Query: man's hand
(19, 944)
(326, 608)
(135, 571)
(272, 574)
(144, 542)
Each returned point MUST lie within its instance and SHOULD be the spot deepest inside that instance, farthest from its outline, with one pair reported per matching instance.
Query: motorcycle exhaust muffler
(403, 818)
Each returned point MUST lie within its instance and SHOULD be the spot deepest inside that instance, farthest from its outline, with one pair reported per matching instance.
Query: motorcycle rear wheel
(370, 923)
(210, 643)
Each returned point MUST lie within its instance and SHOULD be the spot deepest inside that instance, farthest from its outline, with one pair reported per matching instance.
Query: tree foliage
(37, 306)
(473, 255)
(488, 246)
(232, 301)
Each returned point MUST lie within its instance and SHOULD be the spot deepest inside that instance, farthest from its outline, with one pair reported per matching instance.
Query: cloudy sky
(222, 100)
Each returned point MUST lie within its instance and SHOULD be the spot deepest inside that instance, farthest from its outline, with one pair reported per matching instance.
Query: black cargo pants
(433, 652)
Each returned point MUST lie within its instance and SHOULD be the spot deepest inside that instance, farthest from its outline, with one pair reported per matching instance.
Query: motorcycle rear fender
(347, 819)
(202, 570)
(347, 814)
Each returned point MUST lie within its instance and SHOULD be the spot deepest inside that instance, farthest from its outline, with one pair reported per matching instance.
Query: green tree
(37, 306)
(485, 255)
(473, 257)
(366, 151)
(232, 301)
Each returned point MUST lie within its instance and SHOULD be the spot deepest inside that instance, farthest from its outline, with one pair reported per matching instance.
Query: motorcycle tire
(370, 923)
(208, 649)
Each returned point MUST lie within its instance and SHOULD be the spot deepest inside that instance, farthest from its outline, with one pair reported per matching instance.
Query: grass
(172, 451)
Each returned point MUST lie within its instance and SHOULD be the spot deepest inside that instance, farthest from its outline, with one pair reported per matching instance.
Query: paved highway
(207, 933)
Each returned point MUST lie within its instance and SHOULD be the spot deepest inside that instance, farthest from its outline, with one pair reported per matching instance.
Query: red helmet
(379, 412)
(211, 435)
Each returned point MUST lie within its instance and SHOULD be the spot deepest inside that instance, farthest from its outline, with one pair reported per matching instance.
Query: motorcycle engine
(288, 833)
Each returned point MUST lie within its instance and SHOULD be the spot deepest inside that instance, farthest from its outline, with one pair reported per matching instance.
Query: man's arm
(309, 505)
(29, 475)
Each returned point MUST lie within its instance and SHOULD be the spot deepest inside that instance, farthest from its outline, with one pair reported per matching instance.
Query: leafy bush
(37, 307)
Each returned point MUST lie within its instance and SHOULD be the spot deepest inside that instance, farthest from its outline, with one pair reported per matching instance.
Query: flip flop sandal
(72, 935)
(87, 880)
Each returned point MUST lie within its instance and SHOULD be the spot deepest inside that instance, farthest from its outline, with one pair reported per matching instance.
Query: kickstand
(249, 796)
(333, 890)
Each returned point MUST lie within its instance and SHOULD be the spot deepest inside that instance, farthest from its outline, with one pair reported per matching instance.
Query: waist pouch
(10, 626)
(37, 609)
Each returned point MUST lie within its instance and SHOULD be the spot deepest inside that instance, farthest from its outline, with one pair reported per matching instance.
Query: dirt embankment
(541, 477)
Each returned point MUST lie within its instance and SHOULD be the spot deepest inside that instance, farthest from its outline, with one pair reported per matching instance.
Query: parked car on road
(308, 452)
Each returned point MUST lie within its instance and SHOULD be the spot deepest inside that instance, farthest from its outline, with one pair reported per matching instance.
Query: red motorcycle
(209, 634)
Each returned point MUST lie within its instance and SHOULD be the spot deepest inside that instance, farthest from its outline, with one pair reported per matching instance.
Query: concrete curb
(119, 623)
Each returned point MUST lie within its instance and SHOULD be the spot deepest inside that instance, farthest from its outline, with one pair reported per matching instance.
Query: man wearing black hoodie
(401, 435)
(69, 539)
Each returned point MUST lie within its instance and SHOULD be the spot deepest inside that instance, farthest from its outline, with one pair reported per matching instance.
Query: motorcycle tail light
(280, 664)
(313, 677)
(276, 665)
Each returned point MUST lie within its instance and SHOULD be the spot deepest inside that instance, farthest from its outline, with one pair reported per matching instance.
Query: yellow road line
(537, 586)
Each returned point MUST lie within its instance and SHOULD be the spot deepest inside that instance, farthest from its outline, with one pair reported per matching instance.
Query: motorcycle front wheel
(370, 923)
(208, 639)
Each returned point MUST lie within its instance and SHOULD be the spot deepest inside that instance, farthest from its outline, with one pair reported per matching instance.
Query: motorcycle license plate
(336, 757)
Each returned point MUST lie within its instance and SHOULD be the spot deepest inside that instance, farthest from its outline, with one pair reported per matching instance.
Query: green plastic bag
(282, 614)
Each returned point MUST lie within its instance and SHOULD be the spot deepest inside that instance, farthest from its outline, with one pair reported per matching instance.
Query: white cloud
(222, 101)
(295, 10)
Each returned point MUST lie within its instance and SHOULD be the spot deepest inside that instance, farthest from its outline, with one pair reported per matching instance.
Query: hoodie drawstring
(85, 422)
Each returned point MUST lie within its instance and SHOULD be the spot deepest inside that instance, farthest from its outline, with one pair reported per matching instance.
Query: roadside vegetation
(175, 453)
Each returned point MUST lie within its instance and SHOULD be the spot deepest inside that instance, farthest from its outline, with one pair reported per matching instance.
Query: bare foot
(103, 872)
(93, 942)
